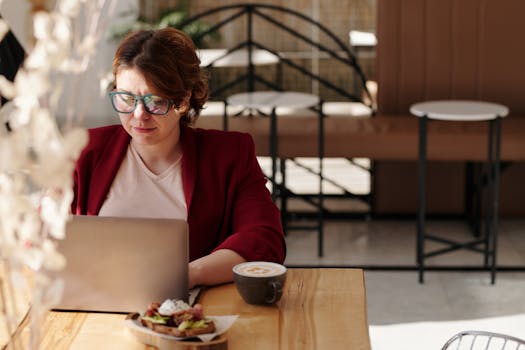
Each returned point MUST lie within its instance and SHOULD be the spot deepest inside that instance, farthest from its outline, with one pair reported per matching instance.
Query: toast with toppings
(176, 318)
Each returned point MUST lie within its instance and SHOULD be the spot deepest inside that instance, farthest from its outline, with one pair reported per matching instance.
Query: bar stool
(452, 110)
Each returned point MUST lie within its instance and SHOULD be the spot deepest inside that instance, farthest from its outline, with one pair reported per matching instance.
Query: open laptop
(123, 264)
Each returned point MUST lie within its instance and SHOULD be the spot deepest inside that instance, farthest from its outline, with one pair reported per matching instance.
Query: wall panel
(448, 49)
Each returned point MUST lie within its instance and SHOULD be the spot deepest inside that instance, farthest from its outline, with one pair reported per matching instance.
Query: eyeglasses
(125, 102)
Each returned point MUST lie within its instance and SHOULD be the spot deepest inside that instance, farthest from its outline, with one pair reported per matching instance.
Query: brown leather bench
(379, 138)
(392, 141)
(435, 50)
(427, 50)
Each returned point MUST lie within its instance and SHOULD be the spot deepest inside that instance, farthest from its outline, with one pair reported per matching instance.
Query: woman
(155, 165)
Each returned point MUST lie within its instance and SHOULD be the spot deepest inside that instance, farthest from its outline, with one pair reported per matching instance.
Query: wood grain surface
(320, 309)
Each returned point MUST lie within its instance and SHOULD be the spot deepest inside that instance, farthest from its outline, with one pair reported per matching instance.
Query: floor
(402, 313)
(399, 308)
(397, 303)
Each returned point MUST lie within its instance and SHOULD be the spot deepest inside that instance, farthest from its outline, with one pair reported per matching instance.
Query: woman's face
(145, 128)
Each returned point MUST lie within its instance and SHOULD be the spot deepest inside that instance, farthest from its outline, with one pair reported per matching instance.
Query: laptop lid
(123, 264)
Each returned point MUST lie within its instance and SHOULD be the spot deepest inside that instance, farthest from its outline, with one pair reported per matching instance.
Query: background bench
(432, 50)
(427, 50)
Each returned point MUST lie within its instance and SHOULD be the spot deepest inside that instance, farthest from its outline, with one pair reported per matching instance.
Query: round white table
(237, 58)
(457, 110)
(242, 57)
(361, 39)
(272, 100)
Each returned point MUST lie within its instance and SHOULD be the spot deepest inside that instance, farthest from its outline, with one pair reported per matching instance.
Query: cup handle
(276, 289)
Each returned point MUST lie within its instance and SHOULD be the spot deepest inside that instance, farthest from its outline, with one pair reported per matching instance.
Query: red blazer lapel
(107, 167)
(189, 162)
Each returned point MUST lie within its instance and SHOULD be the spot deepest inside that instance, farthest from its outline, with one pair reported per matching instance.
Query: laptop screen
(123, 264)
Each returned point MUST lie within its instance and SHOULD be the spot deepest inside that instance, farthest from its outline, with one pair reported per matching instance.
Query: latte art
(259, 269)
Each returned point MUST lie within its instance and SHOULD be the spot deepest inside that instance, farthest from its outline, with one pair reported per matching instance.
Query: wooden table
(320, 309)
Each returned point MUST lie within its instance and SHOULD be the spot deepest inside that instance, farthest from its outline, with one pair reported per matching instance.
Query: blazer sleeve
(257, 232)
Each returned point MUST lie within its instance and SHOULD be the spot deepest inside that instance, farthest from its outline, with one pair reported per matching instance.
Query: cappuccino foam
(259, 269)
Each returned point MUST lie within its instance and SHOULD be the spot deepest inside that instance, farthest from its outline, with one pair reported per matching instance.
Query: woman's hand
(214, 268)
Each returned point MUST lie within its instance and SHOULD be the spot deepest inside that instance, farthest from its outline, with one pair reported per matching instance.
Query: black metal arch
(250, 10)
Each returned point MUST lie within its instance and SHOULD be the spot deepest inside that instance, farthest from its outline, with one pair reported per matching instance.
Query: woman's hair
(169, 62)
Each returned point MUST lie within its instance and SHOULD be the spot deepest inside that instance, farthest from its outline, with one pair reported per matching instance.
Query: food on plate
(176, 318)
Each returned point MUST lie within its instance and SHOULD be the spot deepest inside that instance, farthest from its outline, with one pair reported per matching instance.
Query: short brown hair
(168, 60)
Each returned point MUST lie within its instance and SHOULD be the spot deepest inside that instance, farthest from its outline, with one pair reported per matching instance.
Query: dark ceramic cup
(259, 282)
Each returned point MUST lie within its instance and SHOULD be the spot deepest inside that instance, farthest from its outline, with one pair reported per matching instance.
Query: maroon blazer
(227, 200)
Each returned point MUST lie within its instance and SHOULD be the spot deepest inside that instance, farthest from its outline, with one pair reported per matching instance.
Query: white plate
(164, 341)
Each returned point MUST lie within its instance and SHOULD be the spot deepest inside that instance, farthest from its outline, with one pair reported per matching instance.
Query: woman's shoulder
(102, 137)
(226, 138)
(105, 134)
(106, 131)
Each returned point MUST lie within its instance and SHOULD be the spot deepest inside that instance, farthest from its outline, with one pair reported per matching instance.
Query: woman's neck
(158, 157)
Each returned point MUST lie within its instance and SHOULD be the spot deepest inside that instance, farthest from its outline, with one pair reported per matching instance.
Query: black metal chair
(332, 46)
(473, 340)
(290, 23)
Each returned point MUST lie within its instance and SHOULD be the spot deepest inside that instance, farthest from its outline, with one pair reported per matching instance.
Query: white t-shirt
(137, 192)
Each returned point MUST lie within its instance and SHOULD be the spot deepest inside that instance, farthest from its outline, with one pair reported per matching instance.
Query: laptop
(123, 264)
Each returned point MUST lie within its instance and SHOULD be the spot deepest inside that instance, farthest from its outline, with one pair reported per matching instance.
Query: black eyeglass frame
(138, 98)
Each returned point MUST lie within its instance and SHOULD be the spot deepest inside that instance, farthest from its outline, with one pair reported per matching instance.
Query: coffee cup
(259, 282)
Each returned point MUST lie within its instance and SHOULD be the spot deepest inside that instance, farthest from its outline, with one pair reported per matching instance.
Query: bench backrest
(447, 49)
(440, 49)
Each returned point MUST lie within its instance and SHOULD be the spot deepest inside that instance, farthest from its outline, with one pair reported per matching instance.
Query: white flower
(36, 158)
(54, 211)
(74, 141)
(17, 278)
(54, 35)
(53, 259)
(57, 51)
(73, 66)
(42, 25)
(32, 257)
(87, 46)
(53, 293)
(20, 115)
(4, 28)
(30, 86)
(7, 88)
(29, 226)
(56, 172)
(69, 7)
(13, 151)
(105, 82)
(62, 29)
(46, 294)
(38, 58)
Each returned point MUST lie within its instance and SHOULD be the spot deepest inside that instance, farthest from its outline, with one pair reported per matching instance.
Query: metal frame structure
(342, 53)
(484, 340)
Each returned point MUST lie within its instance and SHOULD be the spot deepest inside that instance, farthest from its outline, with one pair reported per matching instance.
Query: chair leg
(495, 208)
(320, 209)
(225, 117)
(283, 192)
(273, 152)
(421, 205)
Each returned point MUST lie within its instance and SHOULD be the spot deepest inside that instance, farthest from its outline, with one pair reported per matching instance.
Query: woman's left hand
(214, 268)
